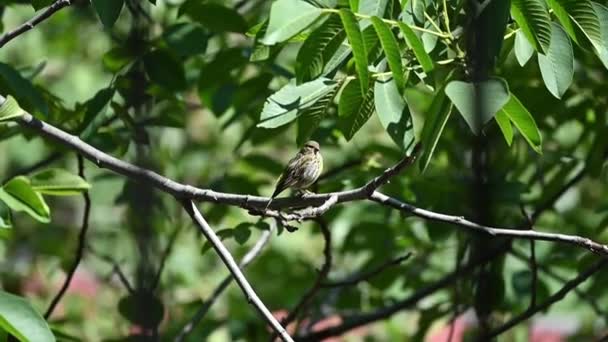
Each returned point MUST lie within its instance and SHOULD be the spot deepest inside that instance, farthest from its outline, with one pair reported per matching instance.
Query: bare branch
(367, 191)
(364, 276)
(202, 311)
(81, 245)
(559, 295)
(30, 24)
(460, 221)
(353, 322)
(549, 272)
(316, 286)
(115, 267)
(234, 269)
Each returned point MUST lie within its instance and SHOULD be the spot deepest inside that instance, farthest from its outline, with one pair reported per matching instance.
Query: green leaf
(28, 97)
(215, 17)
(10, 109)
(288, 18)
(219, 69)
(392, 112)
(419, 100)
(285, 105)
(375, 8)
(478, 102)
(505, 126)
(164, 69)
(534, 21)
(523, 49)
(416, 45)
(602, 14)
(186, 39)
(58, 182)
(557, 67)
(318, 49)
(142, 308)
(523, 120)
(95, 106)
(18, 195)
(355, 39)
(19, 318)
(579, 20)
(310, 118)
(354, 109)
(391, 50)
(435, 121)
(108, 11)
(242, 232)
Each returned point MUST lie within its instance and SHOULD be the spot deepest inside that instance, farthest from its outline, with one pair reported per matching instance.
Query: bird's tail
(268, 204)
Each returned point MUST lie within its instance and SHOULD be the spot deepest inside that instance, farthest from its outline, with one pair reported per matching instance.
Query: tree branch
(182, 191)
(316, 286)
(353, 322)
(81, 244)
(559, 295)
(364, 276)
(460, 221)
(202, 311)
(549, 272)
(28, 25)
(234, 269)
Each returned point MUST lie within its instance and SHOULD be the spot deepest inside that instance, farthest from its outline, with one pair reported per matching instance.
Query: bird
(301, 171)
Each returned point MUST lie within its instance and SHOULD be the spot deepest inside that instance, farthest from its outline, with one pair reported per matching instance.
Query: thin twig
(81, 244)
(558, 296)
(353, 322)
(115, 267)
(234, 269)
(202, 311)
(533, 266)
(549, 272)
(165, 256)
(30, 24)
(34, 167)
(322, 275)
(365, 276)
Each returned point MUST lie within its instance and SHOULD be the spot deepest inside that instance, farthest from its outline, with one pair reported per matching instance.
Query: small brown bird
(301, 171)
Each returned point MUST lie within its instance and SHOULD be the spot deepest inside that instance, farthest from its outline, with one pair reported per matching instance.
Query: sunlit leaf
(18, 195)
(534, 21)
(285, 105)
(557, 66)
(478, 102)
(523, 120)
(19, 318)
(288, 18)
(355, 39)
(58, 182)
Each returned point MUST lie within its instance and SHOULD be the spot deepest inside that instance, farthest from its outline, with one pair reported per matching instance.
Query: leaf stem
(392, 23)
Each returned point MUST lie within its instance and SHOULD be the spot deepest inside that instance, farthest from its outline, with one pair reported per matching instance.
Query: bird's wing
(286, 179)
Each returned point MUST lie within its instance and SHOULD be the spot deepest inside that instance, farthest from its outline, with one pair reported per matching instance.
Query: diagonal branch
(81, 245)
(559, 295)
(460, 221)
(28, 25)
(234, 269)
(202, 311)
(362, 319)
(364, 276)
